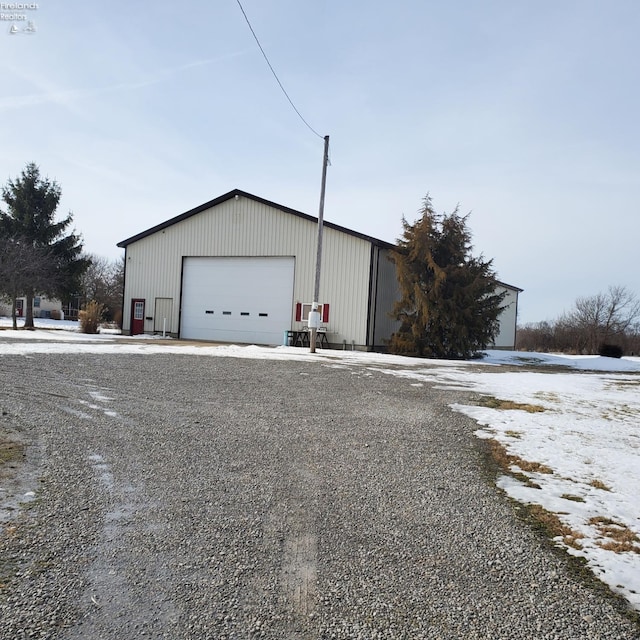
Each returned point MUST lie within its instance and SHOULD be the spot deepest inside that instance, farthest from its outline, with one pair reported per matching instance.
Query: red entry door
(137, 316)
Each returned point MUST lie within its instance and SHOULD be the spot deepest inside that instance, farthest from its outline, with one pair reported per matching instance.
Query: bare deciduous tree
(103, 283)
(23, 266)
(605, 317)
(610, 318)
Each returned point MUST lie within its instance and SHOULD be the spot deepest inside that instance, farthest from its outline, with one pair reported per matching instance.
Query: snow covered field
(582, 427)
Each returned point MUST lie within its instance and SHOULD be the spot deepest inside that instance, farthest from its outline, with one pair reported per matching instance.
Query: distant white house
(241, 269)
(42, 307)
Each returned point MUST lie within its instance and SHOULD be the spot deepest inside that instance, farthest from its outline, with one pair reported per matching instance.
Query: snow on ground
(587, 436)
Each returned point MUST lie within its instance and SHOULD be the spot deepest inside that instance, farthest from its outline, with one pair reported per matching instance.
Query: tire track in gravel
(82, 406)
(112, 590)
(299, 570)
(231, 499)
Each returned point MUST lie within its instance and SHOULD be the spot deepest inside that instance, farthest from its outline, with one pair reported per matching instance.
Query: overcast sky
(525, 113)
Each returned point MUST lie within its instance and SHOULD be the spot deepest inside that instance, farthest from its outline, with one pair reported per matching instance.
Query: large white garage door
(247, 300)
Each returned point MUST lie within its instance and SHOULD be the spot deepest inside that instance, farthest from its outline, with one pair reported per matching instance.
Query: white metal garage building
(241, 269)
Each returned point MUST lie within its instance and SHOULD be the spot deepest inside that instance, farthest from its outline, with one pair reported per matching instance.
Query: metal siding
(244, 227)
(163, 314)
(150, 274)
(373, 293)
(506, 338)
(344, 285)
(388, 294)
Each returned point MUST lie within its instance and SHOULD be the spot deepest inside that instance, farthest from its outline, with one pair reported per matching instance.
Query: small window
(244, 313)
(36, 301)
(226, 313)
(263, 315)
(138, 311)
(208, 311)
(306, 309)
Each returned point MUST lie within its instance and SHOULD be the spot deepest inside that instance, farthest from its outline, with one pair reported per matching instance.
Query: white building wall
(506, 338)
(344, 284)
(43, 309)
(245, 227)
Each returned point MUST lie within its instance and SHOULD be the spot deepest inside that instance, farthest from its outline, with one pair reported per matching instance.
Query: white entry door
(245, 300)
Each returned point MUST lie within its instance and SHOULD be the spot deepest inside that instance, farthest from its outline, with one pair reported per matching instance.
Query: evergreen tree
(449, 307)
(32, 202)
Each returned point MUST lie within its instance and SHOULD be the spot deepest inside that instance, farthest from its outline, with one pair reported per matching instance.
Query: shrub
(90, 317)
(610, 350)
(117, 318)
(55, 314)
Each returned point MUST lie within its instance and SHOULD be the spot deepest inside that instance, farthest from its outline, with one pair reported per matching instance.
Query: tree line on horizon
(607, 323)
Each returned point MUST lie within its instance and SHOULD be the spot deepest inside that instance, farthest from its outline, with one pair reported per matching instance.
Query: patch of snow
(588, 434)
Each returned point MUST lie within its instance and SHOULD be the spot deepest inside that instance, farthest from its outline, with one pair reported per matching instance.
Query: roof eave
(244, 194)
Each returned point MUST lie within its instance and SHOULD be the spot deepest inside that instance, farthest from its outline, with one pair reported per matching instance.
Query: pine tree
(448, 306)
(32, 202)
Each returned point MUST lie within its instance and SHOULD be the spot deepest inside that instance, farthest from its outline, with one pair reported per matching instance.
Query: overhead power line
(275, 75)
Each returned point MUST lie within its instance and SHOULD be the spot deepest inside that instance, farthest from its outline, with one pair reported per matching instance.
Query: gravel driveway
(210, 498)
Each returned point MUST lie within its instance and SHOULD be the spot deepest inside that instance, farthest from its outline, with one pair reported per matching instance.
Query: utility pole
(314, 315)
